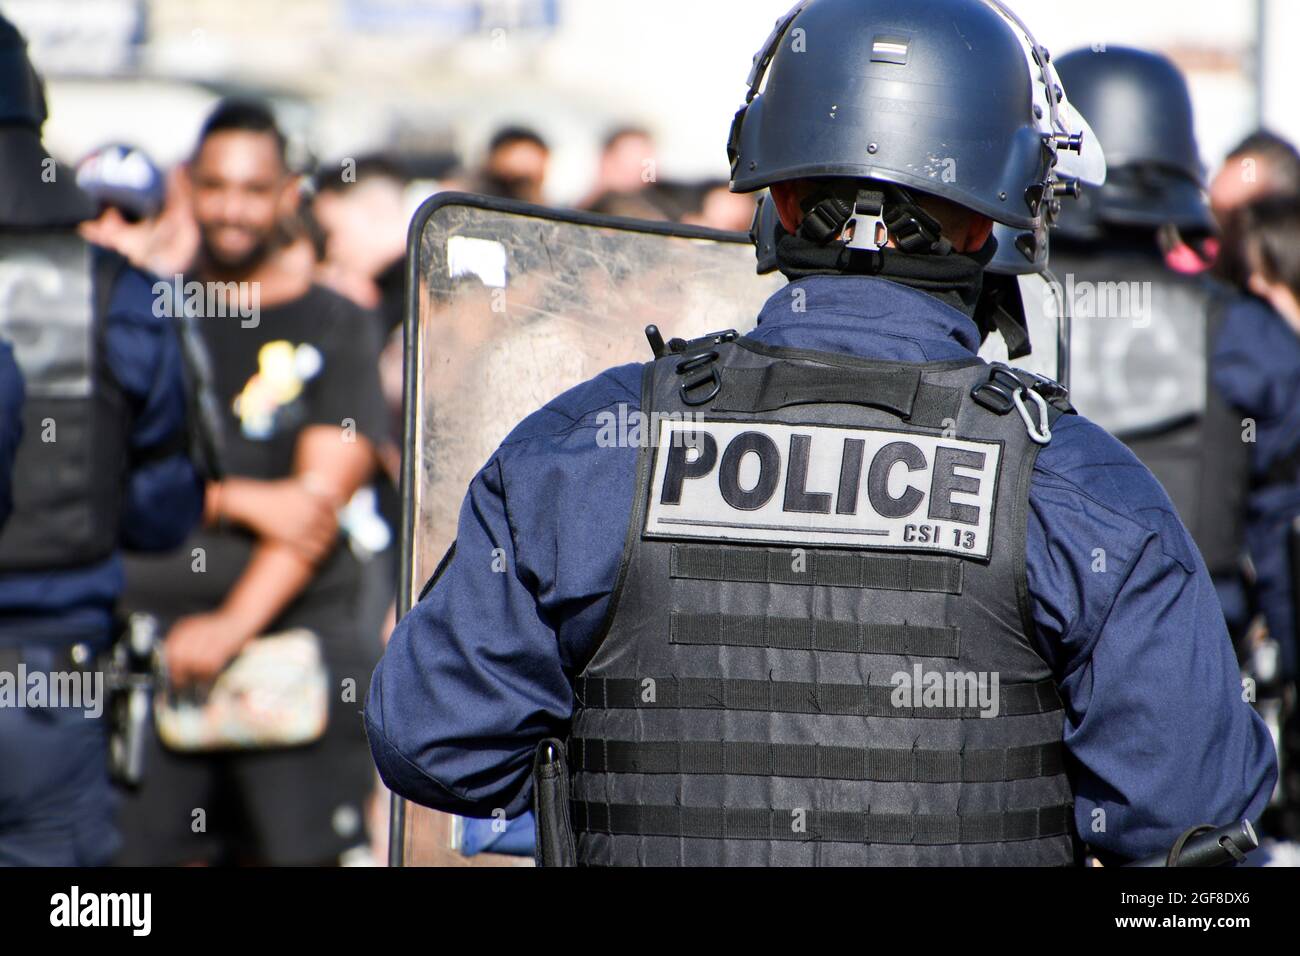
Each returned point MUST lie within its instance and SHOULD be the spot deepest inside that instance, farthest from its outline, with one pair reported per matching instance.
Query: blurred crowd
(348, 227)
(323, 253)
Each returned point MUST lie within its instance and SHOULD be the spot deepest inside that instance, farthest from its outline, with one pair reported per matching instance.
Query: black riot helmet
(22, 102)
(953, 98)
(34, 191)
(1139, 106)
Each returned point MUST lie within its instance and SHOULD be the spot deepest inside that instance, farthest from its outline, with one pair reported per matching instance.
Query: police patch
(822, 485)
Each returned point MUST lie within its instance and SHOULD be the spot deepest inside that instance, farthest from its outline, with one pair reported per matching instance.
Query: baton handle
(555, 843)
(1206, 846)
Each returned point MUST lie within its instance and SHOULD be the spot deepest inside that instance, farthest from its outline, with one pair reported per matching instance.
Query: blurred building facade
(426, 76)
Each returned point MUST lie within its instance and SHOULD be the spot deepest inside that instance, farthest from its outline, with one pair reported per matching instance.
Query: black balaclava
(956, 279)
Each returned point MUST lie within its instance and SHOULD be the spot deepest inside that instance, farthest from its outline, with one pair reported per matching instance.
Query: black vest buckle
(691, 389)
(705, 387)
(998, 393)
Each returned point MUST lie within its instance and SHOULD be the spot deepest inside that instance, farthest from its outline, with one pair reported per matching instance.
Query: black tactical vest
(821, 571)
(1144, 376)
(71, 468)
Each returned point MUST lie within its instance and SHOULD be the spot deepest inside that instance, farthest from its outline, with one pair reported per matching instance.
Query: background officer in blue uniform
(1117, 603)
(103, 464)
(1157, 397)
(1257, 366)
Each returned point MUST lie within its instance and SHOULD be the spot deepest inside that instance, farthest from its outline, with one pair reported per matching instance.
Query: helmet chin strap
(874, 216)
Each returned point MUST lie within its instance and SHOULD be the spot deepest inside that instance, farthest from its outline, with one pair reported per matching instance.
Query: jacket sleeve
(1159, 731)
(164, 493)
(472, 678)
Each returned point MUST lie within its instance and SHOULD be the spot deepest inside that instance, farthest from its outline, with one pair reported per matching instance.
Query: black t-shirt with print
(312, 361)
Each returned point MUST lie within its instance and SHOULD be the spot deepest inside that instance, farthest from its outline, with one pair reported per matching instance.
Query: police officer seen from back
(1143, 331)
(102, 466)
(751, 632)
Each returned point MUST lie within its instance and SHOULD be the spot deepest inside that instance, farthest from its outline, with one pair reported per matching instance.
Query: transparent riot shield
(509, 305)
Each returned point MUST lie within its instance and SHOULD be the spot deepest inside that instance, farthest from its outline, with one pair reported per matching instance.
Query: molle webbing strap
(811, 634)
(898, 390)
(794, 697)
(816, 762)
(816, 568)
(807, 826)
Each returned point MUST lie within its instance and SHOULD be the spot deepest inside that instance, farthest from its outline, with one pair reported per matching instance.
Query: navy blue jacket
(482, 668)
(164, 496)
(11, 425)
(1257, 368)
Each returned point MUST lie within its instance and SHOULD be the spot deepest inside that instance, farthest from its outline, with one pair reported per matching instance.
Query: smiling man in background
(295, 370)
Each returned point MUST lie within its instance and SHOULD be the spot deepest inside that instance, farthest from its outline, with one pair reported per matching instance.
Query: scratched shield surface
(515, 306)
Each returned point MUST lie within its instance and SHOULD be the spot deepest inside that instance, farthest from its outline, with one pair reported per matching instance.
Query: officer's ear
(787, 197)
(967, 230)
(979, 233)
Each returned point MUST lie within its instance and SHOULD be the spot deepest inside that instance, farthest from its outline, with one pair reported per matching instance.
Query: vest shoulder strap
(106, 268)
